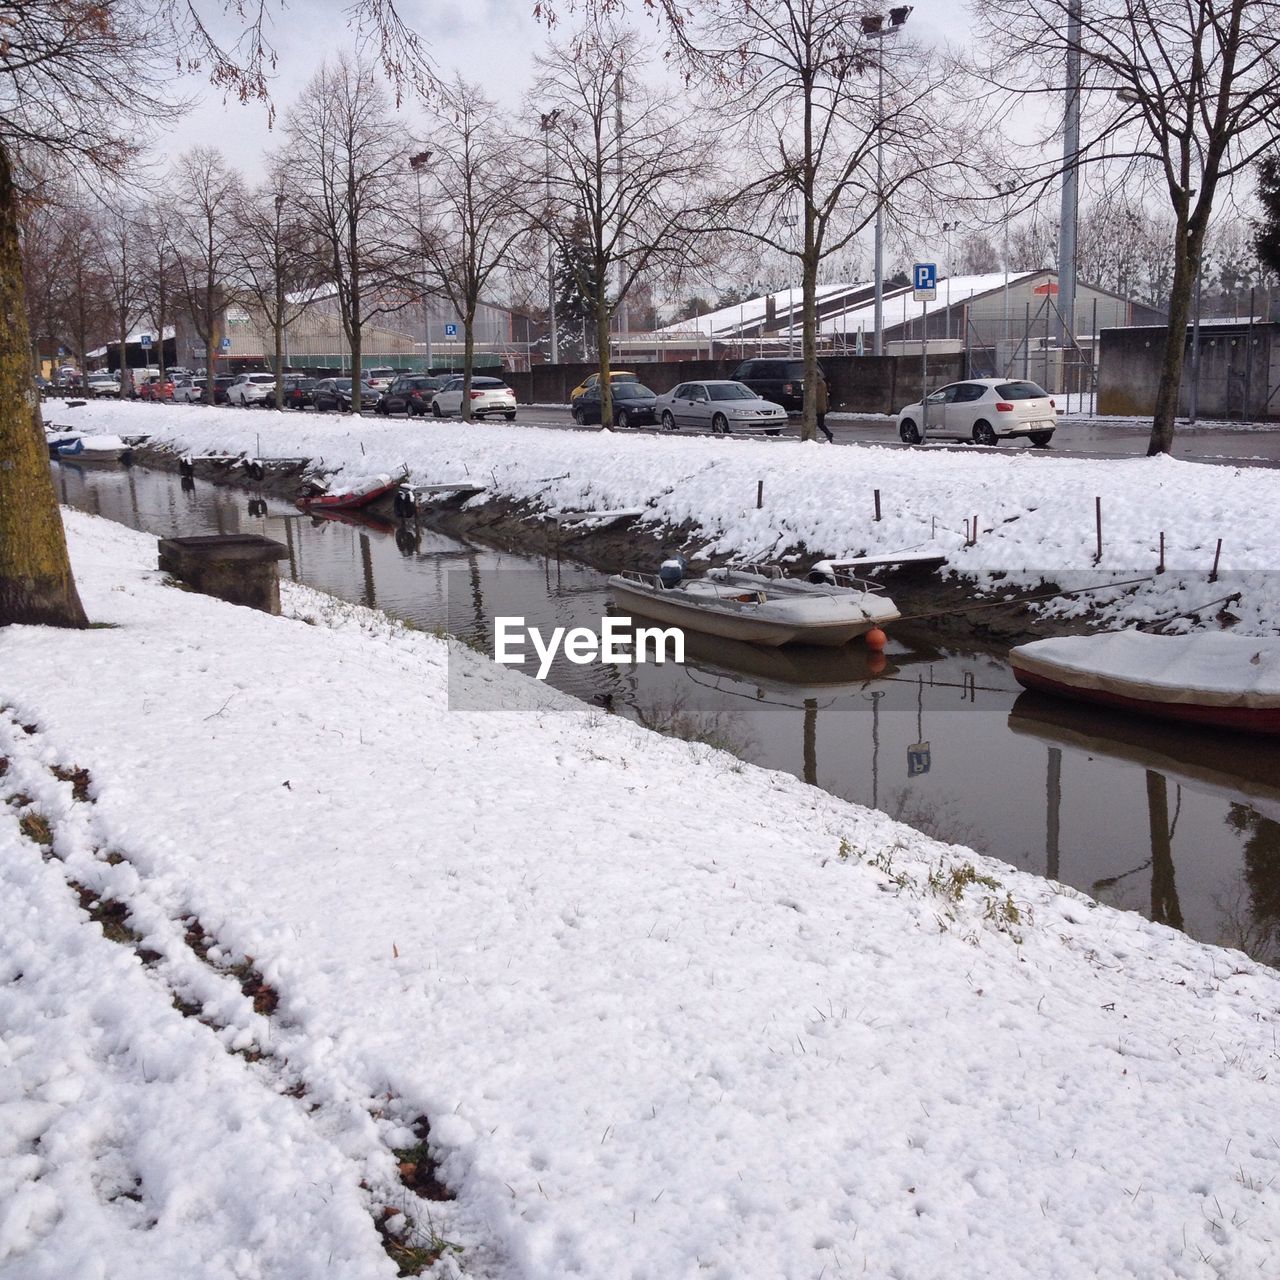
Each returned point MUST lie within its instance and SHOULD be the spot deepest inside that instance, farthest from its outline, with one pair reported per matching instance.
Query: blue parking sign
(925, 275)
(451, 331)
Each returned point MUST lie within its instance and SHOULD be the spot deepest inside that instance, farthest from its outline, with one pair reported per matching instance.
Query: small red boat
(1206, 677)
(356, 494)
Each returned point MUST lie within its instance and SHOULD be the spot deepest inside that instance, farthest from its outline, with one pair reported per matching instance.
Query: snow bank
(669, 1015)
(1035, 515)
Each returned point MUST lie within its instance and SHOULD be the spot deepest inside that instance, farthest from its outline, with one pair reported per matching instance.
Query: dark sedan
(297, 392)
(633, 405)
(410, 394)
(335, 393)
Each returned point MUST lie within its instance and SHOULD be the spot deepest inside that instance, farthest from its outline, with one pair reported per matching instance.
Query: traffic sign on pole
(924, 280)
(226, 344)
(144, 340)
(451, 331)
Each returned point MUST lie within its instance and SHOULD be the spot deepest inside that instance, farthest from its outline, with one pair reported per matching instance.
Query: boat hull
(667, 607)
(1241, 719)
(347, 501)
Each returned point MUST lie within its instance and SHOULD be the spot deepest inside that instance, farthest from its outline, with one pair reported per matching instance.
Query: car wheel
(578, 416)
(668, 420)
(381, 408)
(719, 425)
(908, 432)
(435, 410)
(510, 417)
(776, 431)
(1041, 438)
(984, 433)
(623, 421)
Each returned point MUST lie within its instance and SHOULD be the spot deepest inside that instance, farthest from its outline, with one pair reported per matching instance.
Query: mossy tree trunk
(36, 585)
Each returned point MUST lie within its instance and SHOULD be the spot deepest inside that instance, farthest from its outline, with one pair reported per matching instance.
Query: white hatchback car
(251, 388)
(489, 398)
(984, 411)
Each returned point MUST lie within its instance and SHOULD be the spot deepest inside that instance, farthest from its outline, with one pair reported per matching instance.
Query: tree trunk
(36, 585)
(468, 355)
(1175, 346)
(809, 347)
(602, 347)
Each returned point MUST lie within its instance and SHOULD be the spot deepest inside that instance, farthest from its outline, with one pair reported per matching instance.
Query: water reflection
(1178, 823)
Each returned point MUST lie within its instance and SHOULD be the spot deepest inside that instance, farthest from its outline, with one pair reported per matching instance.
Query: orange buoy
(876, 662)
(876, 639)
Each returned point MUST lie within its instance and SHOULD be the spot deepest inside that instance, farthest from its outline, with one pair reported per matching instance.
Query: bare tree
(348, 174)
(203, 216)
(118, 273)
(475, 191)
(159, 270)
(77, 78)
(1180, 95)
(806, 109)
(626, 179)
(273, 260)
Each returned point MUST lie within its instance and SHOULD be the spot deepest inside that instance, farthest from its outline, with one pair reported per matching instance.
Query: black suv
(779, 380)
(409, 394)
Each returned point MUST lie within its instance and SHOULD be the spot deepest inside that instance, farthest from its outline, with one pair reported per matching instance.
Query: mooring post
(1217, 555)
(759, 494)
(877, 493)
(1097, 516)
(1160, 566)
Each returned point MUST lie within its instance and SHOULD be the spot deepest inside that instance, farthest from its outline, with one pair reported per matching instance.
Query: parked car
(102, 384)
(633, 405)
(251, 388)
(154, 387)
(409, 394)
(489, 397)
(774, 378)
(221, 385)
(297, 392)
(336, 393)
(720, 406)
(615, 375)
(381, 379)
(984, 410)
(188, 390)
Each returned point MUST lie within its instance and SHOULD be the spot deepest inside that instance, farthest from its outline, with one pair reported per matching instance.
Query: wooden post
(877, 493)
(759, 494)
(1097, 513)
(1160, 566)
(1217, 555)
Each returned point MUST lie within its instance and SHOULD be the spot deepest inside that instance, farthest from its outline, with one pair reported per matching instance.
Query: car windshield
(633, 391)
(342, 384)
(730, 391)
(262, 377)
(1021, 391)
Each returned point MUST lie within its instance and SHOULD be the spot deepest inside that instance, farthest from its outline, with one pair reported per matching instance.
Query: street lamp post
(873, 28)
(790, 221)
(948, 230)
(549, 119)
(418, 163)
(1005, 190)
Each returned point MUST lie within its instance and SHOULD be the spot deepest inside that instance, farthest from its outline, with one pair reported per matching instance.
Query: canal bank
(648, 1010)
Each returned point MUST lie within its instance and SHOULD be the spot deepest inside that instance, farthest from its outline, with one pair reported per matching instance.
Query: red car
(155, 388)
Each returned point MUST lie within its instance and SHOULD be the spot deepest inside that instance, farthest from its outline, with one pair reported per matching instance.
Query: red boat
(1206, 677)
(358, 493)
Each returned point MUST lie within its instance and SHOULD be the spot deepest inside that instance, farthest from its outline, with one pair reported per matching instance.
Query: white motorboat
(758, 604)
(91, 450)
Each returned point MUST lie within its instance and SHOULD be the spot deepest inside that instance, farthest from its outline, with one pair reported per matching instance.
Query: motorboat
(353, 496)
(90, 450)
(755, 603)
(1204, 677)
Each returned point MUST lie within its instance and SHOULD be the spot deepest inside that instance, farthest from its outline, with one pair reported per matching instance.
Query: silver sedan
(721, 407)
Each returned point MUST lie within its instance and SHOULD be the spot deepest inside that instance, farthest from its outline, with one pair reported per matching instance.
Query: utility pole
(549, 119)
(623, 320)
(1070, 183)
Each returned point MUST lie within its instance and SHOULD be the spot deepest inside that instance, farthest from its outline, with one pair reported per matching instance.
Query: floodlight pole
(1070, 183)
(417, 164)
(873, 28)
(549, 119)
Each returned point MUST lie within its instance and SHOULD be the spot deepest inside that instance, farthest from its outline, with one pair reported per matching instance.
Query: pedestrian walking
(822, 403)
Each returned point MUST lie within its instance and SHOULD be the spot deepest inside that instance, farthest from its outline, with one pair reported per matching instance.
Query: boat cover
(1208, 668)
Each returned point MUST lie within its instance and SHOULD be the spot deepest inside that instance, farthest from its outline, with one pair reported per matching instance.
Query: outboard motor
(823, 572)
(671, 571)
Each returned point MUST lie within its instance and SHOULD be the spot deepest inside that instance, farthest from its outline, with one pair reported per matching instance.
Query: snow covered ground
(1034, 517)
(668, 1015)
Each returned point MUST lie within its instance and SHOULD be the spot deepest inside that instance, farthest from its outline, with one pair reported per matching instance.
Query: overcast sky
(491, 42)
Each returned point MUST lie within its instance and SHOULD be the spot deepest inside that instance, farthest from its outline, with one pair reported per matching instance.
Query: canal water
(1181, 825)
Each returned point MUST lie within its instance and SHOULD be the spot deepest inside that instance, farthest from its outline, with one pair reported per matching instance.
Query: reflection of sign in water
(919, 758)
